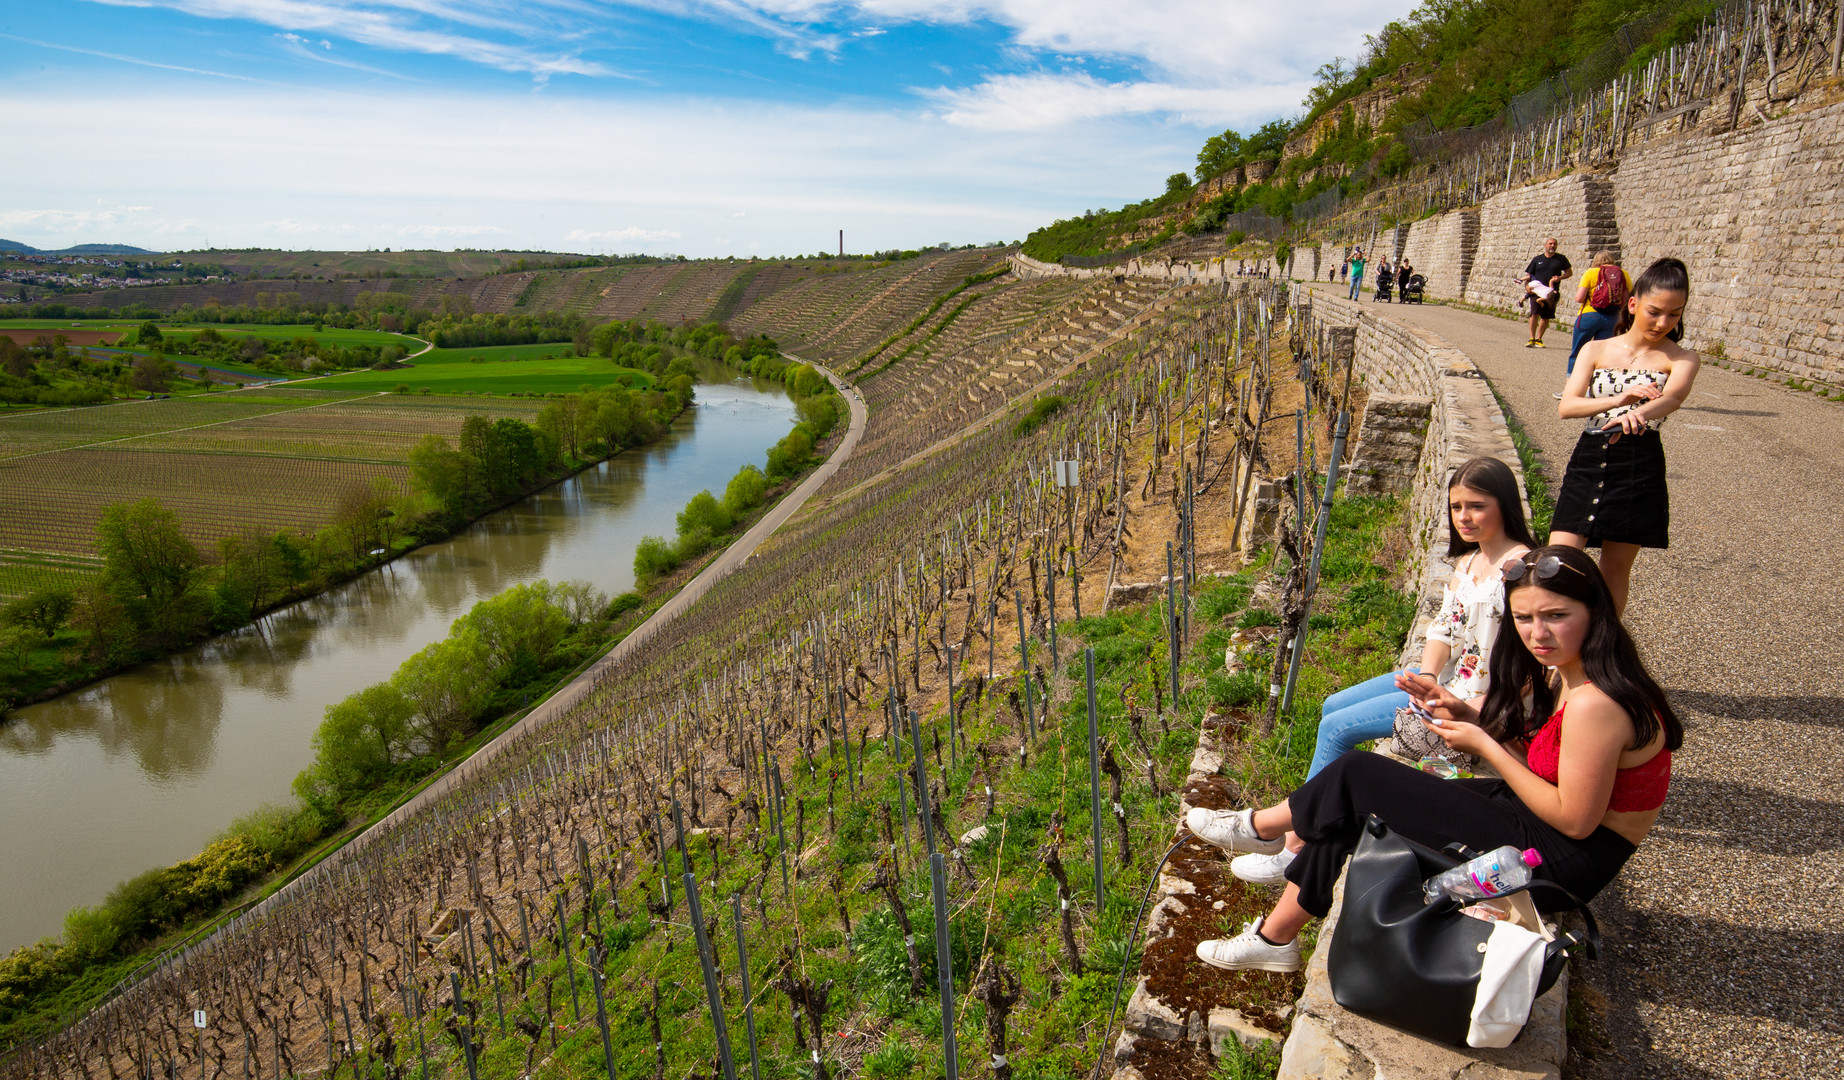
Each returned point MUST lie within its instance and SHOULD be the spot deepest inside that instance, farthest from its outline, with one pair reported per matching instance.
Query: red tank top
(1637, 789)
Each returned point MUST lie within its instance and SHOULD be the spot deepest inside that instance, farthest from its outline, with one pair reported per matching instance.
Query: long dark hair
(1609, 658)
(1493, 477)
(1665, 275)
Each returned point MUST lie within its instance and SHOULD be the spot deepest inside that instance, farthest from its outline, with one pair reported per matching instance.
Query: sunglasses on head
(1543, 569)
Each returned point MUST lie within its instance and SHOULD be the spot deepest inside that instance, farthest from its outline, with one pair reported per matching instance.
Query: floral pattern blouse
(1612, 382)
(1471, 613)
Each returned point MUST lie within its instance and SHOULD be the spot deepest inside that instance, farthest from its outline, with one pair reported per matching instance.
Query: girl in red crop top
(1584, 793)
(1610, 764)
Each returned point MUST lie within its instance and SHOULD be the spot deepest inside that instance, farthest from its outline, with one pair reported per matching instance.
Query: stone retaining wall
(1578, 210)
(1754, 213)
(1441, 249)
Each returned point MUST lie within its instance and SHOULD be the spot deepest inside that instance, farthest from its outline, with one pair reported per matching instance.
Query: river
(144, 768)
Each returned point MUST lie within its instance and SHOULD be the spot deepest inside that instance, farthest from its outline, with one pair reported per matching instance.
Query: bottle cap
(1533, 857)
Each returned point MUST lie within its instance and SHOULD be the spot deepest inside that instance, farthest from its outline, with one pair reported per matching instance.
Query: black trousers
(1329, 812)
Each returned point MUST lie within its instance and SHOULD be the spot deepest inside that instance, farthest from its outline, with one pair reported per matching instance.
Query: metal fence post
(1094, 776)
(944, 964)
(1312, 570)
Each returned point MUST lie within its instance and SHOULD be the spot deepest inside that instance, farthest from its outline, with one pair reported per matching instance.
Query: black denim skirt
(1615, 491)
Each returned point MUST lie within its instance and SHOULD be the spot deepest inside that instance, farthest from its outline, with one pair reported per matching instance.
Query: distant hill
(80, 249)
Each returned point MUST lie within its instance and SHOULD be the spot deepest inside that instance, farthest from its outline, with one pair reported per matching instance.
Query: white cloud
(414, 26)
(434, 232)
(629, 235)
(649, 173)
(1028, 102)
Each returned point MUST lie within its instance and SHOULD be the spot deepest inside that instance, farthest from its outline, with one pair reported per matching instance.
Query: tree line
(158, 590)
(707, 519)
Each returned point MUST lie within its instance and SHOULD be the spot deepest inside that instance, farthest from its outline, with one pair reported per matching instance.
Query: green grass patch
(1536, 481)
(500, 369)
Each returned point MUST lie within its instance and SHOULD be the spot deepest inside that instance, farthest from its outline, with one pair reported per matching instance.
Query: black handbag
(1415, 965)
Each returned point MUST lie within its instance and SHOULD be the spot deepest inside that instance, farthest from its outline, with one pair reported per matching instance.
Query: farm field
(331, 336)
(502, 369)
(272, 459)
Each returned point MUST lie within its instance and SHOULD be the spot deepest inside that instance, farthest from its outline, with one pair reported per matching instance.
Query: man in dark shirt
(1547, 270)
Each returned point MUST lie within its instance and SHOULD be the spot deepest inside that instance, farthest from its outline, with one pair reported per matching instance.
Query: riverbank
(642, 613)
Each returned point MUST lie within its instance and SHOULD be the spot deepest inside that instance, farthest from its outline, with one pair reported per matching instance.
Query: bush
(1041, 410)
(745, 490)
(820, 413)
(622, 604)
(705, 513)
(654, 557)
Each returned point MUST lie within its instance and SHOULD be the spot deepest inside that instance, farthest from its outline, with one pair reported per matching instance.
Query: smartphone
(1424, 714)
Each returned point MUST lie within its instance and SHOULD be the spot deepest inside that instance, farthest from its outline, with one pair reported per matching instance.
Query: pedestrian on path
(1585, 795)
(1357, 272)
(1541, 280)
(1614, 494)
(1485, 527)
(1602, 295)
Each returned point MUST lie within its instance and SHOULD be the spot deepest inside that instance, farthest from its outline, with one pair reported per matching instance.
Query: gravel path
(1725, 955)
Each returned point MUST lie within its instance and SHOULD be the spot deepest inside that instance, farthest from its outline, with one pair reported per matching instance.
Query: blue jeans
(1357, 285)
(1590, 325)
(1356, 714)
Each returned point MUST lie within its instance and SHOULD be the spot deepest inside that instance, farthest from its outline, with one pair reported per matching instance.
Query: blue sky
(699, 127)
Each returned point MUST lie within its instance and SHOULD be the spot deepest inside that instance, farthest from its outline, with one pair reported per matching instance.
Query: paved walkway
(1725, 957)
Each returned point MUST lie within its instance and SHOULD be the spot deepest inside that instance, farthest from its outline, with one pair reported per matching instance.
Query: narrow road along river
(142, 769)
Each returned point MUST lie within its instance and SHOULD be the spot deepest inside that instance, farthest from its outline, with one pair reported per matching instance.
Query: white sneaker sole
(1263, 965)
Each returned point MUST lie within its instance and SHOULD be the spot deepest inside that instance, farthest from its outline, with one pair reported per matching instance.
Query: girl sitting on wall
(1584, 793)
(1485, 527)
(1614, 495)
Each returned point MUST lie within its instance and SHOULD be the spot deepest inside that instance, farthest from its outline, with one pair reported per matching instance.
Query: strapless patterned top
(1612, 382)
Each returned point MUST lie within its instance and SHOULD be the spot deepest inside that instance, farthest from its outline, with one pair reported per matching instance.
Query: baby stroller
(1411, 293)
(1386, 283)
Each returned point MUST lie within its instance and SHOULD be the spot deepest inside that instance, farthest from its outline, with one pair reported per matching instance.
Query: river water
(143, 769)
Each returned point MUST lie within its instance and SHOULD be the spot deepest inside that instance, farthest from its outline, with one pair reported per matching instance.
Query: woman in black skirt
(1613, 495)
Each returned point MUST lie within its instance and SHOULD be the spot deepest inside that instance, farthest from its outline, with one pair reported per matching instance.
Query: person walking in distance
(1614, 495)
(1541, 280)
(1602, 295)
(1357, 272)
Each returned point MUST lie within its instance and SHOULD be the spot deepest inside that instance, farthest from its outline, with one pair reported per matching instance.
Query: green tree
(145, 555)
(44, 610)
(449, 681)
(745, 490)
(153, 374)
(519, 629)
(357, 742)
(148, 333)
(703, 511)
(1176, 183)
(439, 472)
(16, 361)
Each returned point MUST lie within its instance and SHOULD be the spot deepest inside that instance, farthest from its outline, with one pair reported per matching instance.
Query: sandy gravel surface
(1726, 942)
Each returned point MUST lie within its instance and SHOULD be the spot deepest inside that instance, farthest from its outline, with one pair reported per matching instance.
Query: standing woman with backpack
(1602, 295)
(1614, 495)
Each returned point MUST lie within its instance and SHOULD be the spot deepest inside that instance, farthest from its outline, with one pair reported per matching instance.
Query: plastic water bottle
(1490, 874)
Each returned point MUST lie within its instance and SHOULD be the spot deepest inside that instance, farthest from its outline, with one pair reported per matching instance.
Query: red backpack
(1609, 287)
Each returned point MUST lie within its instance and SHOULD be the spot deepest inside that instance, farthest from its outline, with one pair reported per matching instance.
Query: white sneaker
(1248, 952)
(1262, 869)
(1231, 830)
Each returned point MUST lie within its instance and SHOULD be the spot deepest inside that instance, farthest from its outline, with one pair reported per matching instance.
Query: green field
(332, 336)
(504, 369)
